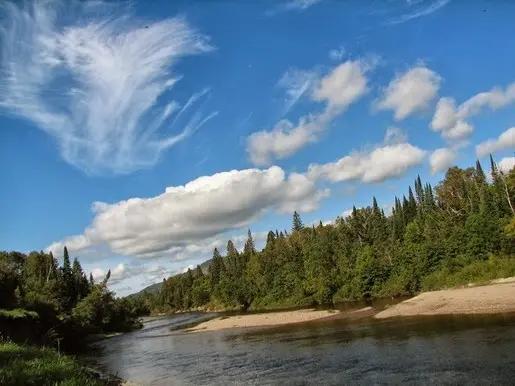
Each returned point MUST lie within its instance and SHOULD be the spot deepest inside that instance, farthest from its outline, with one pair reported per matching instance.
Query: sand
(488, 299)
(263, 320)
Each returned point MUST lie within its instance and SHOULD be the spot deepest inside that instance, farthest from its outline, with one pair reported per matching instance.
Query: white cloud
(410, 92)
(394, 135)
(451, 120)
(176, 221)
(337, 53)
(343, 86)
(296, 83)
(505, 141)
(93, 82)
(425, 9)
(506, 164)
(441, 159)
(375, 166)
(283, 141)
(347, 213)
(461, 129)
(300, 5)
(118, 273)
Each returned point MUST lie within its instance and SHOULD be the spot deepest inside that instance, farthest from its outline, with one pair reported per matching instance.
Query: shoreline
(496, 297)
(278, 318)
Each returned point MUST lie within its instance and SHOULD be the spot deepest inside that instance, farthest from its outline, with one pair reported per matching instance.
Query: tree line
(67, 304)
(462, 230)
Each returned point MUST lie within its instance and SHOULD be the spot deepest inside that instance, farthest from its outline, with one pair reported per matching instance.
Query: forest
(459, 232)
(44, 303)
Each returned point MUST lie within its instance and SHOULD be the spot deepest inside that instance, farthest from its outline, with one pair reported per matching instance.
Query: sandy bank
(488, 299)
(263, 320)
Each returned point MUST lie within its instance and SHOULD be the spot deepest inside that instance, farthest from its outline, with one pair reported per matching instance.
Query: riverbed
(440, 350)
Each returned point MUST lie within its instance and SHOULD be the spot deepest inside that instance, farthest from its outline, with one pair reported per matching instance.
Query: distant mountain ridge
(157, 286)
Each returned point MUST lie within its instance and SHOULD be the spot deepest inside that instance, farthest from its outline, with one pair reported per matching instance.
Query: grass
(18, 313)
(479, 272)
(39, 366)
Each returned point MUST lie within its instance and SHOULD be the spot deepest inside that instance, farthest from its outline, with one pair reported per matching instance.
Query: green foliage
(18, 313)
(27, 365)
(55, 302)
(433, 238)
(477, 272)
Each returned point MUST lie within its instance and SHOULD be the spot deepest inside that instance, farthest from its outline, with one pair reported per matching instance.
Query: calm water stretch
(459, 350)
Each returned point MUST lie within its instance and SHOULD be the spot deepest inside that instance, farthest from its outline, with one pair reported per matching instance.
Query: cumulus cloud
(370, 166)
(124, 273)
(98, 84)
(410, 92)
(181, 217)
(343, 86)
(395, 135)
(506, 164)
(441, 159)
(505, 141)
(118, 273)
(451, 120)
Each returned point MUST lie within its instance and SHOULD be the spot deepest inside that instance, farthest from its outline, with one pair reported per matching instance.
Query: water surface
(454, 350)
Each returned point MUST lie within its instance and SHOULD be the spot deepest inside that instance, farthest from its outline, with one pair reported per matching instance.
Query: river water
(458, 350)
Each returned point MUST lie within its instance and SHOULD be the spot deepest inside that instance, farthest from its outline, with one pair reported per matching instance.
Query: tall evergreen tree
(249, 249)
(297, 222)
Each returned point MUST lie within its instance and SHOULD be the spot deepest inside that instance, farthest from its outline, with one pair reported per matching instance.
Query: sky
(143, 134)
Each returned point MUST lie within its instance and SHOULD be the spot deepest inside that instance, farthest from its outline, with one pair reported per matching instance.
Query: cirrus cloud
(98, 84)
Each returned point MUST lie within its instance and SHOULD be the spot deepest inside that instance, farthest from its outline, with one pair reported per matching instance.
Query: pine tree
(297, 222)
(198, 272)
(419, 191)
(270, 240)
(67, 287)
(216, 268)
(480, 174)
(249, 249)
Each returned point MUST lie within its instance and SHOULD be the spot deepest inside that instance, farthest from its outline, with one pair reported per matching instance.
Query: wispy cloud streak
(95, 83)
(418, 8)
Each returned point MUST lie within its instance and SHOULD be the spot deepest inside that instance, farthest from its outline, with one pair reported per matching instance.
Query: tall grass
(39, 366)
(478, 272)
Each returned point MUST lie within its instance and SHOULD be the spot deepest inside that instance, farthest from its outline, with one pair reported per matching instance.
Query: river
(458, 350)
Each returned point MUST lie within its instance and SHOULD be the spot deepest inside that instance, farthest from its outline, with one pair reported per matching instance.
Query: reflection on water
(472, 350)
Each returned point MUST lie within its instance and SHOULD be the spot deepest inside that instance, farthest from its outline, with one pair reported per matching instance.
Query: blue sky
(143, 135)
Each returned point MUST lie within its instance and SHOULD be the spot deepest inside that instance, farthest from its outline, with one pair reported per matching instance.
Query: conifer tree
(249, 249)
(297, 222)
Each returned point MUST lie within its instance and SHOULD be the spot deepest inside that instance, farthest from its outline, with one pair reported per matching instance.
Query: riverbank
(271, 319)
(498, 297)
(33, 365)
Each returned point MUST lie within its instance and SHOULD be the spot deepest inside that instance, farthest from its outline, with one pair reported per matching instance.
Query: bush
(477, 272)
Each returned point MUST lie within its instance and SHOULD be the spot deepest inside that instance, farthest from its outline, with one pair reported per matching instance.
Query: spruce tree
(297, 222)
(249, 249)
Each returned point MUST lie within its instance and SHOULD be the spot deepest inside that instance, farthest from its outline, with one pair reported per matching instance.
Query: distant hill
(157, 286)
(151, 288)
